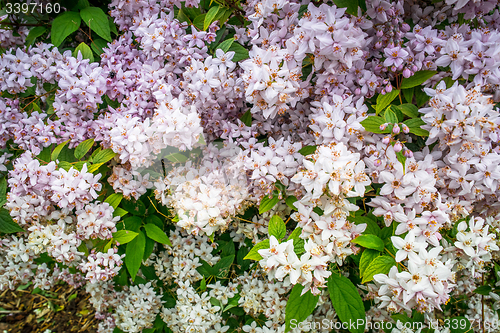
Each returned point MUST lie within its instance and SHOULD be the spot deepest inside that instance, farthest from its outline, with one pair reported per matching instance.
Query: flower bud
(407, 153)
(378, 162)
(397, 147)
(380, 33)
(406, 129)
(406, 73)
(396, 129)
(386, 140)
(388, 88)
(383, 126)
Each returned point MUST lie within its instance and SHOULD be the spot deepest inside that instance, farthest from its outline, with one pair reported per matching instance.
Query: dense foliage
(258, 166)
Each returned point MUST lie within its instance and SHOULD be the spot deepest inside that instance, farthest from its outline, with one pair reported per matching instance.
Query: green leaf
(371, 226)
(176, 158)
(203, 284)
(370, 242)
(390, 116)
(222, 267)
(298, 307)
(210, 17)
(85, 50)
(104, 156)
(34, 34)
(409, 110)
(246, 118)
(277, 227)
(307, 150)
(134, 254)
(135, 208)
(63, 26)
(57, 150)
(225, 45)
(114, 200)
(154, 220)
(372, 124)
(460, 325)
(132, 223)
(120, 212)
(290, 201)
(483, 290)
(350, 5)
(254, 254)
(366, 259)
(346, 301)
(232, 302)
(65, 165)
(198, 21)
(383, 101)
(97, 20)
(240, 53)
(124, 236)
(157, 234)
(98, 45)
(408, 94)
(380, 265)
(417, 79)
(414, 126)
(266, 203)
(83, 148)
(7, 224)
(298, 243)
(3, 187)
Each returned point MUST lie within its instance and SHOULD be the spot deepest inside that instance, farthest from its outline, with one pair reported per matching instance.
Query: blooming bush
(265, 166)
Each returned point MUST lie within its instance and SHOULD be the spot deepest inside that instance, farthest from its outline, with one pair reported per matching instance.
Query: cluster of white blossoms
(193, 312)
(131, 183)
(425, 284)
(179, 262)
(205, 196)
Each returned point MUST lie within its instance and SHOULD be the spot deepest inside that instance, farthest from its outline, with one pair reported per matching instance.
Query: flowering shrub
(265, 166)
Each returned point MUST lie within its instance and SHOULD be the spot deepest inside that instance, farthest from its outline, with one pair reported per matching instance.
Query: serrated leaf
(104, 156)
(176, 158)
(367, 257)
(267, 204)
(134, 208)
(277, 227)
(34, 34)
(156, 234)
(417, 79)
(240, 53)
(97, 20)
(98, 45)
(346, 301)
(7, 224)
(414, 126)
(299, 307)
(380, 265)
(409, 110)
(483, 290)
(94, 167)
(57, 150)
(246, 118)
(209, 18)
(383, 101)
(390, 116)
(114, 200)
(134, 254)
(307, 150)
(124, 236)
(225, 45)
(85, 50)
(372, 124)
(290, 201)
(63, 26)
(254, 254)
(120, 212)
(369, 242)
(223, 266)
(83, 148)
(462, 325)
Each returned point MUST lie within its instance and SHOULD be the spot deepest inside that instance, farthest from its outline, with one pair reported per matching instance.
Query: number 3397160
(25, 8)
